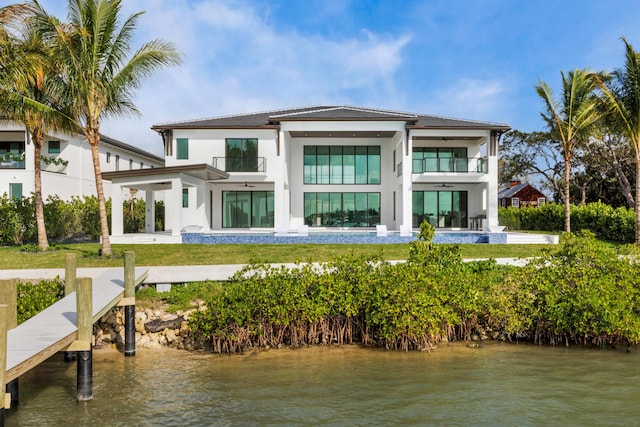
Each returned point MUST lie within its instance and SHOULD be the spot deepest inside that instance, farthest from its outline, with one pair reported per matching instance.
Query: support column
(201, 204)
(173, 207)
(117, 217)
(149, 211)
(406, 198)
(9, 297)
(208, 195)
(85, 335)
(492, 185)
(129, 304)
(281, 208)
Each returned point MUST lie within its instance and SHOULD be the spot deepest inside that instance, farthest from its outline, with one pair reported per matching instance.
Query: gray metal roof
(510, 192)
(270, 119)
(131, 148)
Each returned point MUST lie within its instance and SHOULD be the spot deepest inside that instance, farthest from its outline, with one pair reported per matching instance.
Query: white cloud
(472, 99)
(238, 61)
(238, 57)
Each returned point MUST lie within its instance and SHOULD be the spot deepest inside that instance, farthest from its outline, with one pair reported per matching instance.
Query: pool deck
(330, 237)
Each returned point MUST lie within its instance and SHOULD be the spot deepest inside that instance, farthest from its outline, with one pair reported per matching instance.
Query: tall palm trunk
(37, 137)
(637, 198)
(93, 136)
(567, 201)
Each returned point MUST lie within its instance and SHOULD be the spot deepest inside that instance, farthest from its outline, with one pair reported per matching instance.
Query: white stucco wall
(78, 179)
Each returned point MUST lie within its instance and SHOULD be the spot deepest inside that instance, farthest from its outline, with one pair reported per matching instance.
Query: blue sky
(474, 59)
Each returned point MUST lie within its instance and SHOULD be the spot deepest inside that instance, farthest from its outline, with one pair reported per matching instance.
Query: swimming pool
(269, 238)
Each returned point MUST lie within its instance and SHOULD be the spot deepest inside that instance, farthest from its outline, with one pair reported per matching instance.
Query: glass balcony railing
(450, 164)
(240, 164)
(12, 160)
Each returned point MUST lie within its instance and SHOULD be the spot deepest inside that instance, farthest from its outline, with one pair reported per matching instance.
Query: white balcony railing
(240, 164)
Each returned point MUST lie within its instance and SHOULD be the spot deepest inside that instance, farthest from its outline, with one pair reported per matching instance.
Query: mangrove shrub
(582, 292)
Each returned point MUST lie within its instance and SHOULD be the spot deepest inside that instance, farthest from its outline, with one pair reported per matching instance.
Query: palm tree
(570, 119)
(622, 96)
(99, 77)
(28, 98)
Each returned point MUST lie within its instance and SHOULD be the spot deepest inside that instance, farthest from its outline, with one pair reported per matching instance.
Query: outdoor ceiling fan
(444, 185)
(246, 185)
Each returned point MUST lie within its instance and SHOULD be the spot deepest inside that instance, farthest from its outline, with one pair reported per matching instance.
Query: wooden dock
(55, 328)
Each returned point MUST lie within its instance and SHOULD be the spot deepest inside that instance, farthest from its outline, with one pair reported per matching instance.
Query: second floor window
(325, 164)
(182, 148)
(241, 154)
(54, 147)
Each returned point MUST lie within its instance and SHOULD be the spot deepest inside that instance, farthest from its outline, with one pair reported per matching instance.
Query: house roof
(270, 119)
(131, 148)
(507, 193)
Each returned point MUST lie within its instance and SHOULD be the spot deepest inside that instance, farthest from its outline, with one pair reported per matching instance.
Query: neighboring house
(520, 194)
(324, 167)
(67, 167)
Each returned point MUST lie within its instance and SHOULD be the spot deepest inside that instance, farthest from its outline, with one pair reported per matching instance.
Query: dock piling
(70, 267)
(70, 271)
(85, 335)
(9, 296)
(130, 304)
(3, 358)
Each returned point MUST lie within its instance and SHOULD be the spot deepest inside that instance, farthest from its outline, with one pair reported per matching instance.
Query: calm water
(497, 384)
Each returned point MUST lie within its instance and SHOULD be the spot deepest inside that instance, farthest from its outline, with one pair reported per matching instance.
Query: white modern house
(67, 167)
(321, 168)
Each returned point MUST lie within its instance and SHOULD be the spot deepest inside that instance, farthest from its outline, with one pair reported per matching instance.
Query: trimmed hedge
(608, 223)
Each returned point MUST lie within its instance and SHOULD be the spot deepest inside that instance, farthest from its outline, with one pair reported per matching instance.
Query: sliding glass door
(244, 209)
(442, 209)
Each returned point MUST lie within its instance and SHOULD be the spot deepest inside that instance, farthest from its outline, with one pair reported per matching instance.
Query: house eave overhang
(203, 171)
(160, 128)
(501, 128)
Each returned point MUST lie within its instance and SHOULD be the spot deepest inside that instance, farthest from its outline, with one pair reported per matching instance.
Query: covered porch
(181, 187)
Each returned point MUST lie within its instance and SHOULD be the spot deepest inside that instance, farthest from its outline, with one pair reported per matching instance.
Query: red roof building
(520, 194)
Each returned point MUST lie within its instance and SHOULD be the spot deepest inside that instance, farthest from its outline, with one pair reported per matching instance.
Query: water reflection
(497, 384)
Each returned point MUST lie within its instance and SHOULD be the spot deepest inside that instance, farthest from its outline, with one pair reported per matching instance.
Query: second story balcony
(240, 164)
(53, 164)
(12, 160)
(450, 165)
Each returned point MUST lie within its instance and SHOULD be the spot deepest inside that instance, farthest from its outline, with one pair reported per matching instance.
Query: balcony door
(242, 154)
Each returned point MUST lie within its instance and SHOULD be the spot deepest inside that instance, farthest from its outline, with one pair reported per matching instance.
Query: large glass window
(446, 209)
(342, 164)
(433, 159)
(244, 209)
(242, 154)
(342, 209)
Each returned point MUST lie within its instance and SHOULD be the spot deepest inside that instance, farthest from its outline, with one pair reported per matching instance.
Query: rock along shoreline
(155, 328)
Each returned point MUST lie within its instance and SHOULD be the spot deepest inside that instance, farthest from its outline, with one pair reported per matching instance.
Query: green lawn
(183, 254)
